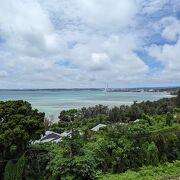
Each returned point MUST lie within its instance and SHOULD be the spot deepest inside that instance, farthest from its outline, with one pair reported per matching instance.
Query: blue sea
(53, 101)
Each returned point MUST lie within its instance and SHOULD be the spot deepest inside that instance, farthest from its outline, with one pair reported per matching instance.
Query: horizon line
(91, 88)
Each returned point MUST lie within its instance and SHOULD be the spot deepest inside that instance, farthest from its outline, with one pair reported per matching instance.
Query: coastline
(52, 102)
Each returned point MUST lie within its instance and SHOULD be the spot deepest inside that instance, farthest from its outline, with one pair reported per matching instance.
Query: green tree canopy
(19, 125)
(68, 115)
(178, 99)
(169, 119)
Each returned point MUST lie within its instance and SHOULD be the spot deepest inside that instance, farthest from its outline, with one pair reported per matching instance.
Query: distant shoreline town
(171, 90)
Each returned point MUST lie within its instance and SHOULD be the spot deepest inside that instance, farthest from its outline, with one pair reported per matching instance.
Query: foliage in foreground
(164, 171)
(114, 149)
(123, 145)
(14, 170)
(19, 125)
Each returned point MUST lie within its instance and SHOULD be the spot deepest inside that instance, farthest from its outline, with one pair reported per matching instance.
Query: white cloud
(3, 74)
(70, 43)
(167, 54)
(27, 28)
(171, 28)
(93, 13)
(105, 13)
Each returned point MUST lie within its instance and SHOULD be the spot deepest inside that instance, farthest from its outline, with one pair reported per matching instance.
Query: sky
(89, 43)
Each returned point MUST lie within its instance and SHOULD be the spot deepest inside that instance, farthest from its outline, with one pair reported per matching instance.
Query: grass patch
(161, 172)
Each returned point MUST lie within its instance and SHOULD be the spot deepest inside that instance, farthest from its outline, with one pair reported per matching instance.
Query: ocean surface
(53, 101)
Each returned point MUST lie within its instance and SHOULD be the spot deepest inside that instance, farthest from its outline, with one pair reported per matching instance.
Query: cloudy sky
(88, 43)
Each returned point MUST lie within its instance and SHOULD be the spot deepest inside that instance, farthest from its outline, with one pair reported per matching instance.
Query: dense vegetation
(143, 134)
(161, 172)
(19, 125)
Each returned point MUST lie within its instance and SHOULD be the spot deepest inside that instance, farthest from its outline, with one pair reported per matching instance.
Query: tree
(69, 160)
(178, 99)
(135, 111)
(169, 119)
(14, 170)
(69, 115)
(114, 115)
(148, 119)
(152, 154)
(177, 114)
(19, 125)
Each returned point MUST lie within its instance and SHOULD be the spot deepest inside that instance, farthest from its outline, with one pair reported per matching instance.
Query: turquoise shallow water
(52, 102)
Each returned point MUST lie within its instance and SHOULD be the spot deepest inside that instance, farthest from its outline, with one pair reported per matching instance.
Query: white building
(96, 128)
(51, 136)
